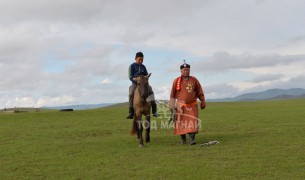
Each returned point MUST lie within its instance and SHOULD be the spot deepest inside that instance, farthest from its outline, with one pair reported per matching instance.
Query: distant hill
(79, 107)
(23, 109)
(118, 105)
(270, 94)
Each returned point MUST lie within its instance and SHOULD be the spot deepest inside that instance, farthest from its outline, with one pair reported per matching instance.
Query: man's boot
(183, 139)
(154, 108)
(192, 139)
(131, 113)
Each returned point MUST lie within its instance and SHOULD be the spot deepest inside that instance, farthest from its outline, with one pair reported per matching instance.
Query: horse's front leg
(147, 127)
(140, 130)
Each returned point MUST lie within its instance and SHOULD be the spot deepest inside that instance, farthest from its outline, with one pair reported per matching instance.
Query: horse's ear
(147, 76)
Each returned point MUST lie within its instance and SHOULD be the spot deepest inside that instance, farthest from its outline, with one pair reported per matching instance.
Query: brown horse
(141, 107)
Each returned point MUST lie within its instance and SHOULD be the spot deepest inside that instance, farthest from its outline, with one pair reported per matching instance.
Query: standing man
(136, 69)
(183, 100)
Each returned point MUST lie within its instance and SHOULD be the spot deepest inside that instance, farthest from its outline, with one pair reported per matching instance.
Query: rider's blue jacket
(136, 70)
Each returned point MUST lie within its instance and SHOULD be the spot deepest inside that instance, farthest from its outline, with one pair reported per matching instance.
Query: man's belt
(186, 105)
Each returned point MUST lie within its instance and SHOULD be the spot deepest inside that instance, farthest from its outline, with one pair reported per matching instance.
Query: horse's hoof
(141, 145)
(147, 140)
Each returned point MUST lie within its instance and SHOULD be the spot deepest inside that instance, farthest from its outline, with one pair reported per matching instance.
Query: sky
(55, 52)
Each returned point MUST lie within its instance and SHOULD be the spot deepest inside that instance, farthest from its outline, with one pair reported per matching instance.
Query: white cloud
(106, 81)
(162, 92)
(267, 77)
(42, 101)
(223, 61)
(23, 102)
(217, 91)
(55, 101)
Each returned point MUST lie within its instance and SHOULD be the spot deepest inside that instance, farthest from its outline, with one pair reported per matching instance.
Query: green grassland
(258, 140)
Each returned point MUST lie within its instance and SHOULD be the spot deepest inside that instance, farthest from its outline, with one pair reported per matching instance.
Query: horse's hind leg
(147, 127)
(134, 128)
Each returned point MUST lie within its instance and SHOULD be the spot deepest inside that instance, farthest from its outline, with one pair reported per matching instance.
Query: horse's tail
(133, 128)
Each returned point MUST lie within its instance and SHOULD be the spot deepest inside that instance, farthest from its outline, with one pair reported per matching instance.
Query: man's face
(139, 60)
(185, 72)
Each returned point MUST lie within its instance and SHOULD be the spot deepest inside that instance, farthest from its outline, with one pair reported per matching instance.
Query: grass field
(259, 140)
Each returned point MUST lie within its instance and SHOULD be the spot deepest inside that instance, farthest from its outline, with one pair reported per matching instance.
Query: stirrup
(156, 114)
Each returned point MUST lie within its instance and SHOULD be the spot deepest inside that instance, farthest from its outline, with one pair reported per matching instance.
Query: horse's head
(142, 82)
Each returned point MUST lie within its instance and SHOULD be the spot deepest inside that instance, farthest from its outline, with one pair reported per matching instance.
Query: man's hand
(202, 105)
(172, 117)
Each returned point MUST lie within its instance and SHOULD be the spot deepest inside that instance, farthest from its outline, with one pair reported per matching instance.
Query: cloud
(294, 82)
(267, 77)
(224, 61)
(283, 83)
(106, 81)
(297, 39)
(223, 90)
(50, 10)
(162, 92)
(198, 26)
(65, 49)
(17, 102)
(260, 1)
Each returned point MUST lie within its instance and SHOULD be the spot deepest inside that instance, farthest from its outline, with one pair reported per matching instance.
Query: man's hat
(184, 65)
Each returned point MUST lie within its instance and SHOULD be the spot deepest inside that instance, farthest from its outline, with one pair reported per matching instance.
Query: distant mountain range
(79, 107)
(269, 94)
